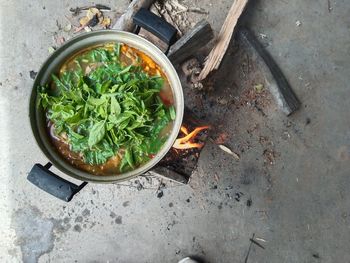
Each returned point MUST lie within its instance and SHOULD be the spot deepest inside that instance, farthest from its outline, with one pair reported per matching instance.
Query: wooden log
(217, 53)
(193, 40)
(279, 87)
(125, 23)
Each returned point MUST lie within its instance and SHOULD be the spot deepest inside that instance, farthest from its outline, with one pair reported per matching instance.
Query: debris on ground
(238, 196)
(93, 17)
(59, 40)
(257, 243)
(32, 74)
(256, 97)
(249, 202)
(67, 27)
(259, 87)
(159, 191)
(139, 186)
(76, 11)
(269, 156)
(229, 151)
(260, 239)
(51, 50)
(176, 14)
(221, 138)
(192, 68)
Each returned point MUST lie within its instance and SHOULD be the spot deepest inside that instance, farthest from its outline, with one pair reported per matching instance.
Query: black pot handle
(51, 183)
(156, 25)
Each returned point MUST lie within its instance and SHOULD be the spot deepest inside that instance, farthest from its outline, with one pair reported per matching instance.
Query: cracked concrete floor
(300, 199)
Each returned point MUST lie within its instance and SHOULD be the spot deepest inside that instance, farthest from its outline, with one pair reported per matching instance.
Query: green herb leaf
(129, 157)
(172, 112)
(114, 107)
(97, 133)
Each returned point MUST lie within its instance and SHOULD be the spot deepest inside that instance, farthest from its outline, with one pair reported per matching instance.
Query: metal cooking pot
(40, 175)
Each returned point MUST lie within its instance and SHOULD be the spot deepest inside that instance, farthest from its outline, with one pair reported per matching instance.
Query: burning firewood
(186, 142)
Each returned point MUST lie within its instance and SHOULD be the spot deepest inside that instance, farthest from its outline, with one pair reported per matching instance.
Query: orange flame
(185, 142)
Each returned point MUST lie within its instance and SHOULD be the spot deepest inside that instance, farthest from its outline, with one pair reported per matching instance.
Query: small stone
(77, 228)
(160, 193)
(51, 50)
(315, 255)
(67, 27)
(249, 202)
(119, 220)
(32, 74)
(112, 214)
(79, 219)
(86, 212)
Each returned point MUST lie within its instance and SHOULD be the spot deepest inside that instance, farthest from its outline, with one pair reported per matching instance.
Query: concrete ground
(293, 170)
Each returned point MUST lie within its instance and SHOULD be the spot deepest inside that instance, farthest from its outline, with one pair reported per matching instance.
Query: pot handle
(51, 183)
(156, 25)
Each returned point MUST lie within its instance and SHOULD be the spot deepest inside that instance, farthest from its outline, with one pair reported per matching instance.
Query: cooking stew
(109, 109)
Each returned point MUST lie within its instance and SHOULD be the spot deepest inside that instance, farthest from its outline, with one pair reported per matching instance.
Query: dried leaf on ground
(106, 22)
(51, 50)
(92, 18)
(229, 151)
(259, 87)
(92, 12)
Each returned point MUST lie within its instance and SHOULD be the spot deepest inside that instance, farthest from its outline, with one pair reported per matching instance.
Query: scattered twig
(229, 151)
(260, 239)
(256, 243)
(98, 6)
(329, 6)
(76, 11)
(250, 247)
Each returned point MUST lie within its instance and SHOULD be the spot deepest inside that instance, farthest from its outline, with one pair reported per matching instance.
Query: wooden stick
(125, 21)
(193, 40)
(217, 53)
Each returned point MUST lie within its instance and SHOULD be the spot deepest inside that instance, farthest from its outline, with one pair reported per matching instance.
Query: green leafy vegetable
(97, 133)
(107, 109)
(172, 112)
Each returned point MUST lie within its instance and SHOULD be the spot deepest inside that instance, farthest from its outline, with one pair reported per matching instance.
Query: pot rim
(55, 60)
